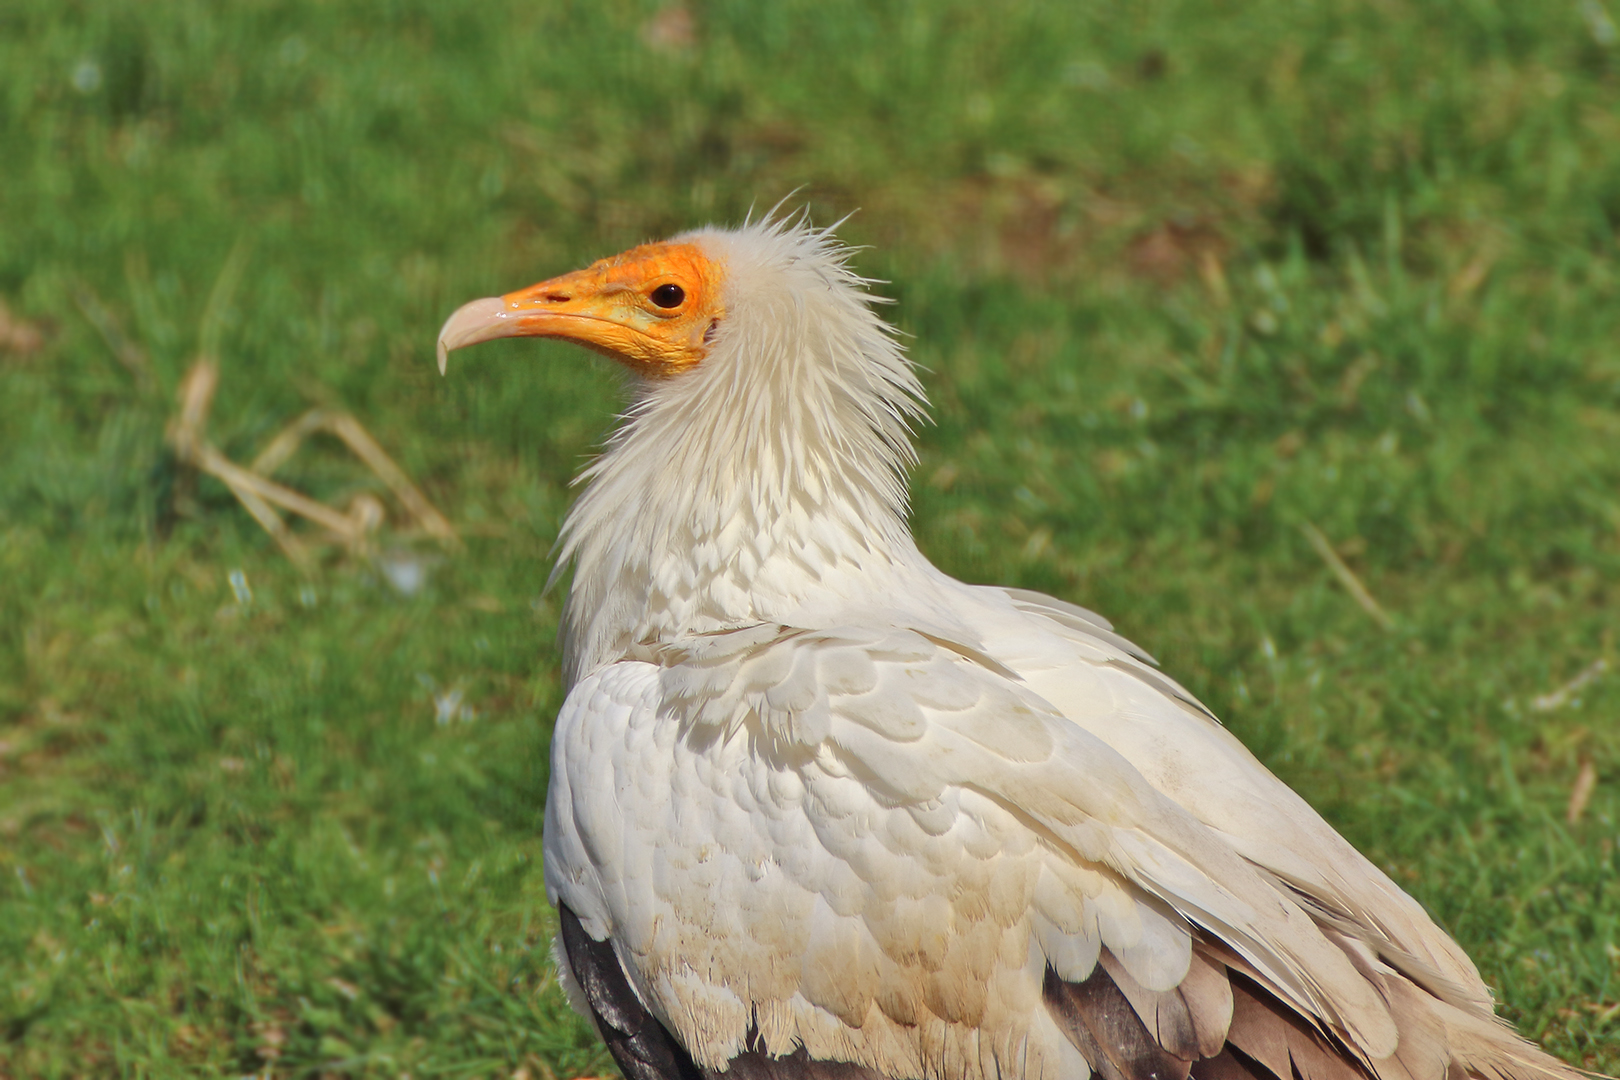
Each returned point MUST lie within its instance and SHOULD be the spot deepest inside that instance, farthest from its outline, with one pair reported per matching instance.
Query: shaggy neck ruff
(771, 477)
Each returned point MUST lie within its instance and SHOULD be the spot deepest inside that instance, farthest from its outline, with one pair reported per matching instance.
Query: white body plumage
(821, 799)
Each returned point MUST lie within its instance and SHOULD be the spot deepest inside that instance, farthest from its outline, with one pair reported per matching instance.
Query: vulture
(819, 811)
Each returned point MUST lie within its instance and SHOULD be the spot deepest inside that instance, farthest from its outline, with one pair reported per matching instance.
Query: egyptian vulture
(818, 810)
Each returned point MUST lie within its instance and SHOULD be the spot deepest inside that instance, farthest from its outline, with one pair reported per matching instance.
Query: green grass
(1186, 277)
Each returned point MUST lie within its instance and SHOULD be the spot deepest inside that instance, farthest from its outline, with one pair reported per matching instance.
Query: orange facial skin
(653, 308)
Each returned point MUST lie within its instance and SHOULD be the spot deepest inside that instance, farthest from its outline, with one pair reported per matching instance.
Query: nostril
(557, 298)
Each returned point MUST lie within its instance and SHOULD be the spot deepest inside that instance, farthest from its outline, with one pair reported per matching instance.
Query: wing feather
(876, 848)
(1179, 748)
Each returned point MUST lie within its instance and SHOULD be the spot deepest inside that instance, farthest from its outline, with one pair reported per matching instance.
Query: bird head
(759, 354)
(770, 427)
(655, 308)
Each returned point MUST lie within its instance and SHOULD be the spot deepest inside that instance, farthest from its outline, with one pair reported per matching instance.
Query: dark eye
(668, 296)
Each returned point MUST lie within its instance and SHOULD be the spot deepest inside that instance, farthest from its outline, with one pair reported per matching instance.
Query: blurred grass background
(1188, 279)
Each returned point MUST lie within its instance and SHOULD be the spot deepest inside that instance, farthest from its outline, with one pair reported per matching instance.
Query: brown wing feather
(1222, 1023)
(1207, 990)
(1280, 1039)
(1164, 1014)
(1190, 1021)
(1100, 1021)
(1229, 1066)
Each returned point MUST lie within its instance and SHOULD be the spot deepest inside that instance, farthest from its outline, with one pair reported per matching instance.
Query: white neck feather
(769, 478)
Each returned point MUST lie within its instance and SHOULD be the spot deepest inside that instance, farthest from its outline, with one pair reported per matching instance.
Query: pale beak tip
(480, 320)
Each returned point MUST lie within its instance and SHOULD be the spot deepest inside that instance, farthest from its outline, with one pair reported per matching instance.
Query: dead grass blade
(363, 446)
(261, 496)
(1347, 577)
(1557, 699)
(1581, 793)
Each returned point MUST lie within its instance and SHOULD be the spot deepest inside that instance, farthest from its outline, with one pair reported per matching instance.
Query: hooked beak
(479, 320)
(651, 309)
(575, 307)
